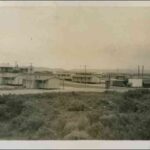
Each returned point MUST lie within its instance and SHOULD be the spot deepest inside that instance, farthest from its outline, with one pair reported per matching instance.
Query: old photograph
(74, 72)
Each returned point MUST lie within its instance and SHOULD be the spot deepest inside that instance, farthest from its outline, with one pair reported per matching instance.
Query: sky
(69, 37)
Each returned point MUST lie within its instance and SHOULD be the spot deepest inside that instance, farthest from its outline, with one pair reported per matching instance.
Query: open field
(67, 89)
(81, 85)
(76, 115)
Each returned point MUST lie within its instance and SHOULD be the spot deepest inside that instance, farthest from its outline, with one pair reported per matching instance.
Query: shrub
(69, 127)
(128, 105)
(83, 122)
(14, 107)
(4, 114)
(2, 100)
(77, 105)
(4, 130)
(44, 133)
(29, 108)
(17, 122)
(138, 93)
(59, 124)
(78, 116)
(95, 130)
(93, 116)
(31, 124)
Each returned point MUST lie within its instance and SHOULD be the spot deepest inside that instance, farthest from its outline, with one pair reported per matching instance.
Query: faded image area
(74, 73)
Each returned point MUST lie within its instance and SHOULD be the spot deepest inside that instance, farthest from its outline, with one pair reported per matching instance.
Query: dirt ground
(61, 89)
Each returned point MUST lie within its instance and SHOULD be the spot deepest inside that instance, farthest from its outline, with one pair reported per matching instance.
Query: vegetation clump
(76, 116)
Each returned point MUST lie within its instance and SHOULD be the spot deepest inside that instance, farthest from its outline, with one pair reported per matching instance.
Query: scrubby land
(76, 115)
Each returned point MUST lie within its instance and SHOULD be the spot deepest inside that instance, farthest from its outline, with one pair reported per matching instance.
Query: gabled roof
(46, 78)
(43, 73)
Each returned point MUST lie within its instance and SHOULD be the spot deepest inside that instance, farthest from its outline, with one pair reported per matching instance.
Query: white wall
(52, 83)
(18, 80)
(136, 82)
(30, 84)
(95, 79)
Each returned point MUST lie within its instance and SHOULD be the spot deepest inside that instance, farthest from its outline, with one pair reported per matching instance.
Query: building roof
(47, 78)
(43, 73)
(82, 76)
(41, 78)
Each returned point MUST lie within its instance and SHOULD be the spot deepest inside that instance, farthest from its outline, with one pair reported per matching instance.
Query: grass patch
(76, 116)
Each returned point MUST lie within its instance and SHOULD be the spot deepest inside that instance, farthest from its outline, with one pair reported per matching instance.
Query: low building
(50, 83)
(64, 76)
(12, 75)
(18, 80)
(41, 81)
(6, 69)
(6, 78)
(85, 78)
(120, 83)
(137, 83)
(146, 83)
(14, 69)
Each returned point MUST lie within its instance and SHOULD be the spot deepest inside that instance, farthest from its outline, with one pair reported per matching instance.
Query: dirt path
(66, 89)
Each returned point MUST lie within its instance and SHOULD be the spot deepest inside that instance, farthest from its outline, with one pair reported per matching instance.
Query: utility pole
(109, 79)
(138, 71)
(30, 68)
(85, 75)
(107, 83)
(142, 71)
(63, 84)
(16, 64)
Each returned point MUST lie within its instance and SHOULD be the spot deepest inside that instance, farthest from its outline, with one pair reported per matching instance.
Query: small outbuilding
(146, 83)
(137, 83)
(64, 76)
(85, 78)
(38, 81)
(18, 80)
(119, 83)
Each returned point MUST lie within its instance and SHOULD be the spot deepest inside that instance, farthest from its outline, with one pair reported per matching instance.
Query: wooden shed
(119, 83)
(137, 83)
(42, 82)
(85, 77)
(146, 83)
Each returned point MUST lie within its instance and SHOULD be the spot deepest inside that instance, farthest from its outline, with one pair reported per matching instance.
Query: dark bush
(93, 116)
(138, 93)
(31, 124)
(95, 130)
(77, 105)
(106, 116)
(44, 133)
(4, 114)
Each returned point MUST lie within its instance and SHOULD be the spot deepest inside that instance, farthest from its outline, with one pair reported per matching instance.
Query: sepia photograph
(74, 72)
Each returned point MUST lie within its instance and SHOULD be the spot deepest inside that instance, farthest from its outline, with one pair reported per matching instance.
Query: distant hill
(104, 70)
(47, 69)
(130, 71)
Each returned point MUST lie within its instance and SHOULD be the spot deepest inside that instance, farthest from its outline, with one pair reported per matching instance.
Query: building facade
(85, 78)
(41, 81)
(64, 76)
(137, 83)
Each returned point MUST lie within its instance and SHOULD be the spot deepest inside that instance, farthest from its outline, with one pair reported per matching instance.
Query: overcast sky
(69, 37)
